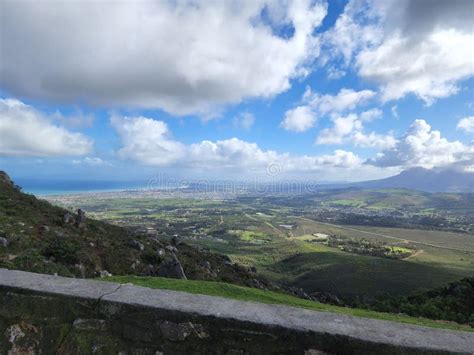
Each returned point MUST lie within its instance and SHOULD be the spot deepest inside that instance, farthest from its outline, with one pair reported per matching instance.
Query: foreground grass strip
(226, 290)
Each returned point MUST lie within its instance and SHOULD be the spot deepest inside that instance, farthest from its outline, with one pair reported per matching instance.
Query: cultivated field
(283, 240)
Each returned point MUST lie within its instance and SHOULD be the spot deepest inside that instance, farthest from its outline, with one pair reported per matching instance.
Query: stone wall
(49, 314)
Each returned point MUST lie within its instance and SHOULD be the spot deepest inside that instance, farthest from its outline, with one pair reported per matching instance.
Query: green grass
(400, 249)
(226, 290)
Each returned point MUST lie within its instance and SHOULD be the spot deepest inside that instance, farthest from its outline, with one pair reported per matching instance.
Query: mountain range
(448, 180)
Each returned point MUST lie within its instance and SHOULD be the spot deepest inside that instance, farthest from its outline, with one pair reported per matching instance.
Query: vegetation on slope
(454, 302)
(35, 237)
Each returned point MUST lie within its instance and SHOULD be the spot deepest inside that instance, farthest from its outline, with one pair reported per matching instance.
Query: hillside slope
(37, 236)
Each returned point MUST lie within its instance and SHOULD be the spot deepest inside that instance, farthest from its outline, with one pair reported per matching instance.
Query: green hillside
(35, 237)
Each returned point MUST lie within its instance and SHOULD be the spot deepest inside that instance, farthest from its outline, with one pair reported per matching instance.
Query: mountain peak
(434, 180)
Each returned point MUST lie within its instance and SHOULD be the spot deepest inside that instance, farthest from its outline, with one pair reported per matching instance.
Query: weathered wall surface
(48, 314)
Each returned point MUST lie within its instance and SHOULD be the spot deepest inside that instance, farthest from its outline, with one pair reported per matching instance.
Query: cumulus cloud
(299, 119)
(373, 140)
(149, 142)
(181, 56)
(25, 131)
(350, 129)
(244, 120)
(345, 99)
(315, 105)
(422, 146)
(342, 127)
(418, 47)
(466, 124)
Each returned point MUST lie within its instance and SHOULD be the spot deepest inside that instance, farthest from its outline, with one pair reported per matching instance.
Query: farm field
(293, 243)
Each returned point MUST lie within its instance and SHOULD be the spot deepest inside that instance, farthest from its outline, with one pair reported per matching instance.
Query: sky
(304, 89)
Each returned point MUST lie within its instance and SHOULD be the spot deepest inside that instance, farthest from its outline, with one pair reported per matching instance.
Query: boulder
(172, 268)
(175, 240)
(80, 218)
(298, 292)
(171, 249)
(3, 242)
(68, 218)
(257, 284)
(206, 264)
(137, 245)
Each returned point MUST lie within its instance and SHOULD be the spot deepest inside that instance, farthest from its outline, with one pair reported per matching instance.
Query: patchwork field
(294, 243)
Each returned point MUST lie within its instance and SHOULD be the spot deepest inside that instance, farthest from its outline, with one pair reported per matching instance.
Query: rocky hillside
(37, 236)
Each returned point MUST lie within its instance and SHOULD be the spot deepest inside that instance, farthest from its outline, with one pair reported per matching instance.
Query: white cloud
(92, 161)
(299, 119)
(429, 69)
(146, 140)
(25, 131)
(341, 128)
(371, 114)
(349, 129)
(244, 120)
(424, 147)
(149, 142)
(315, 105)
(351, 33)
(418, 47)
(334, 73)
(345, 99)
(394, 111)
(181, 56)
(373, 140)
(466, 124)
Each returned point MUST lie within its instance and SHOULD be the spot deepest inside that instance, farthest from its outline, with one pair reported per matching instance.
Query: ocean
(58, 187)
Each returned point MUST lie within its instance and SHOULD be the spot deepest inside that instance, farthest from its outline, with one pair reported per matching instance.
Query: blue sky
(325, 91)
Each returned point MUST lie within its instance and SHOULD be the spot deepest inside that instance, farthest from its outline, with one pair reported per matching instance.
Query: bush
(62, 249)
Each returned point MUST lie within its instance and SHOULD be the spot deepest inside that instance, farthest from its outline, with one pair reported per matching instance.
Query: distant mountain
(424, 180)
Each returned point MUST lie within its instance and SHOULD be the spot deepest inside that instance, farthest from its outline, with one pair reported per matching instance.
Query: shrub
(62, 249)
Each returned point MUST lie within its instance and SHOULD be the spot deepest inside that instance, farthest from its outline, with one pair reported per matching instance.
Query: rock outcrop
(137, 245)
(80, 219)
(5, 179)
(172, 268)
(68, 218)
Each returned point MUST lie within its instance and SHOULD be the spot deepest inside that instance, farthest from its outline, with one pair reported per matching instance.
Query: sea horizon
(60, 187)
